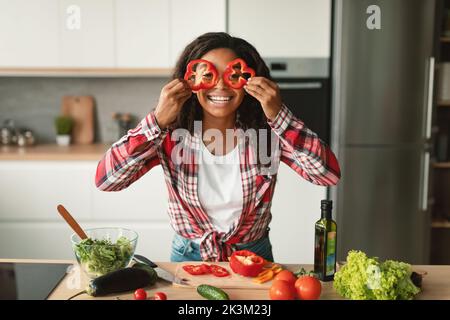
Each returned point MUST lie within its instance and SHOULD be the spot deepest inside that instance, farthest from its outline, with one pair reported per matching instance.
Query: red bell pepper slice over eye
(246, 263)
(195, 270)
(219, 271)
(237, 73)
(201, 74)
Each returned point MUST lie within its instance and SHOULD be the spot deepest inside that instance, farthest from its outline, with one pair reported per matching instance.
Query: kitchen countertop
(435, 285)
(54, 152)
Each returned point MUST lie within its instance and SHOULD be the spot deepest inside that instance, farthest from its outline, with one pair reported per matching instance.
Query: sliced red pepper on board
(200, 269)
(201, 74)
(219, 271)
(237, 73)
(246, 263)
(206, 269)
(194, 269)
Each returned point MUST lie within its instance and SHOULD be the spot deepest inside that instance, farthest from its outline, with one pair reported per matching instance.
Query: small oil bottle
(325, 243)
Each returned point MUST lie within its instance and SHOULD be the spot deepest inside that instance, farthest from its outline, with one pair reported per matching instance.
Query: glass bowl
(106, 250)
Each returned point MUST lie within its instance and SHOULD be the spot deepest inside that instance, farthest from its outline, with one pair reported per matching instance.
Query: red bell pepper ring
(246, 263)
(206, 269)
(201, 74)
(195, 270)
(237, 73)
(200, 269)
(219, 271)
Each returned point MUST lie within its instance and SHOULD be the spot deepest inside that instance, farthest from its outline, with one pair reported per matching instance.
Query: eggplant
(416, 278)
(122, 280)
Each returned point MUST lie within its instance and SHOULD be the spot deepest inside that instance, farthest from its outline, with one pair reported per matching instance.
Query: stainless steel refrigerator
(381, 126)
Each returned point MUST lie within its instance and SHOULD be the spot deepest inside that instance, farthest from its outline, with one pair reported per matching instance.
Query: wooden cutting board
(233, 281)
(81, 109)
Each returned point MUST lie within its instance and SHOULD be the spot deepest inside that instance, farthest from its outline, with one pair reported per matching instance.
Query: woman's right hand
(173, 96)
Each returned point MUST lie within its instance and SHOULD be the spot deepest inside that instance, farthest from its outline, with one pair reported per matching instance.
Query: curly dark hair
(249, 114)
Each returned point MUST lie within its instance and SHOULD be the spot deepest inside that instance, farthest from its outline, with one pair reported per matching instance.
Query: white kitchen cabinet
(295, 210)
(51, 240)
(29, 33)
(190, 19)
(31, 190)
(92, 45)
(283, 28)
(142, 33)
(145, 200)
(32, 228)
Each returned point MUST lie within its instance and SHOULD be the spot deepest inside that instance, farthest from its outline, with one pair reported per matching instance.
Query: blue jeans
(186, 250)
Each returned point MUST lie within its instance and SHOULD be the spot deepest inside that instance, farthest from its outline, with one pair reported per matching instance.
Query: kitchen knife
(162, 274)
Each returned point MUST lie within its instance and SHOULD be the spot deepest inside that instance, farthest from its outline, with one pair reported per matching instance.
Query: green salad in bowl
(105, 250)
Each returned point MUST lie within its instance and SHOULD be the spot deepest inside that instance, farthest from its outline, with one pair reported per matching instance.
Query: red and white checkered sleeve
(304, 151)
(131, 157)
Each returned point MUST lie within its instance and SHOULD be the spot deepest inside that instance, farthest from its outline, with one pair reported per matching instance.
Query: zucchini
(212, 293)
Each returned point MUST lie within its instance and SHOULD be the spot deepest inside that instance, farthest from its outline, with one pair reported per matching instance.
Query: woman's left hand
(267, 93)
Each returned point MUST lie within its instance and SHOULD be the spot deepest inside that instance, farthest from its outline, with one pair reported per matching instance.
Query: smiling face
(220, 101)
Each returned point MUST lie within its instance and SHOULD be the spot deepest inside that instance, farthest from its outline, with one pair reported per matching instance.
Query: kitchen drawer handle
(425, 180)
(430, 97)
(300, 85)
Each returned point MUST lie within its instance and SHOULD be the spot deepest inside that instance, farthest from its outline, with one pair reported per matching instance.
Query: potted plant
(63, 125)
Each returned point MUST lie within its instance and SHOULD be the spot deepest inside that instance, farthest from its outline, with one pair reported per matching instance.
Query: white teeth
(219, 98)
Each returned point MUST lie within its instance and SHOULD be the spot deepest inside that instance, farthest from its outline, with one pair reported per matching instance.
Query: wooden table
(435, 286)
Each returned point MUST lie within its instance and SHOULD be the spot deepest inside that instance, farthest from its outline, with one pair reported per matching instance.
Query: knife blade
(162, 273)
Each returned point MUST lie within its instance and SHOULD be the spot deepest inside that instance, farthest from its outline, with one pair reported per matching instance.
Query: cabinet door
(31, 190)
(29, 33)
(283, 28)
(190, 19)
(144, 200)
(92, 44)
(142, 33)
(295, 210)
(51, 240)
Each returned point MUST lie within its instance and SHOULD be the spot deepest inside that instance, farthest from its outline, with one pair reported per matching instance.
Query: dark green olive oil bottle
(325, 243)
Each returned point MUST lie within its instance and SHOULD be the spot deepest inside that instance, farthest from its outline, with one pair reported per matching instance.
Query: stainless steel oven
(305, 88)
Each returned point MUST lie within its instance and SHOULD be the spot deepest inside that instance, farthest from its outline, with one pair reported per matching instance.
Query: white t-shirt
(220, 188)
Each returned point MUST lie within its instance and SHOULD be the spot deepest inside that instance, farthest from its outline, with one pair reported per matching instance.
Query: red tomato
(160, 296)
(281, 290)
(218, 271)
(287, 276)
(308, 288)
(140, 294)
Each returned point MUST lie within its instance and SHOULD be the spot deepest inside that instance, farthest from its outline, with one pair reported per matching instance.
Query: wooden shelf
(445, 39)
(85, 72)
(442, 224)
(441, 165)
(443, 103)
(52, 152)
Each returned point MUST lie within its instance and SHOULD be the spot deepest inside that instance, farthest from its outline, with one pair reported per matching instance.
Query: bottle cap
(326, 204)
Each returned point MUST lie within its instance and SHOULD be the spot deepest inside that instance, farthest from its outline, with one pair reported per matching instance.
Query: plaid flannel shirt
(299, 147)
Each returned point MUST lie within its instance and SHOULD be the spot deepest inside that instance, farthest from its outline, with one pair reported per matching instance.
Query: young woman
(219, 195)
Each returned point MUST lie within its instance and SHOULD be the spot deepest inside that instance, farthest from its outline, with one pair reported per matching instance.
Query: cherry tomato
(281, 290)
(287, 276)
(160, 296)
(218, 271)
(140, 294)
(308, 288)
